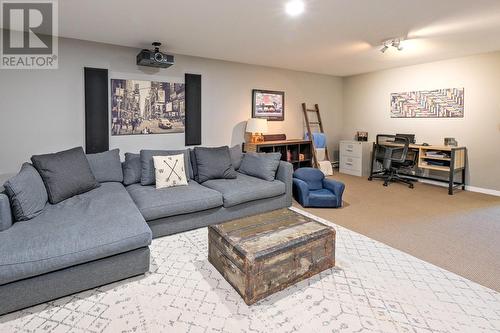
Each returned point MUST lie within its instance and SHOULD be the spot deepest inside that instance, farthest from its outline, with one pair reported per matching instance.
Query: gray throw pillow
(27, 193)
(65, 174)
(213, 163)
(148, 176)
(260, 165)
(106, 166)
(131, 169)
(194, 166)
(236, 156)
(5, 212)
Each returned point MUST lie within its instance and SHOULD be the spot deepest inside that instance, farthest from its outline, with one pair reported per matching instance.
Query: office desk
(456, 162)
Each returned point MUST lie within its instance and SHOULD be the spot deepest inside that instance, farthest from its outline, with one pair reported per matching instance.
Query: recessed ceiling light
(294, 7)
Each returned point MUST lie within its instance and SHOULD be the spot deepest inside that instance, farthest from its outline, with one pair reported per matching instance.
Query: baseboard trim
(482, 190)
(467, 187)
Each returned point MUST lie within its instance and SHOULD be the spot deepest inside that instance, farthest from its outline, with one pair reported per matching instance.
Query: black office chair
(392, 151)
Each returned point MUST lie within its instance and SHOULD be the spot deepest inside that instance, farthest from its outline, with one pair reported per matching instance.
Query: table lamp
(256, 126)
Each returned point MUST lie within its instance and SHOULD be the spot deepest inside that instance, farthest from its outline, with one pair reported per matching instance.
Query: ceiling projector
(155, 58)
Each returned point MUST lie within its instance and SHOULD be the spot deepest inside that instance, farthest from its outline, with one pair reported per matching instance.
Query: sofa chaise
(102, 235)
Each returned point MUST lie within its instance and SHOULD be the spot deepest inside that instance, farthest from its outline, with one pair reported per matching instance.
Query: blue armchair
(312, 189)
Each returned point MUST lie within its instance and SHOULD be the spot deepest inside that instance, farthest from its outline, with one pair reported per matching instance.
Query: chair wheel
(385, 184)
(411, 186)
(370, 178)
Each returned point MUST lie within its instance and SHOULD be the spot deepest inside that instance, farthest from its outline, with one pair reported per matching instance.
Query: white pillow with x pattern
(170, 171)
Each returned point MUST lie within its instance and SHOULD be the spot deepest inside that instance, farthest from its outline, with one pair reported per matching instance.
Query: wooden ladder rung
(311, 110)
(314, 122)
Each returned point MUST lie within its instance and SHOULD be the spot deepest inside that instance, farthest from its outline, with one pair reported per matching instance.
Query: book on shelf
(440, 154)
(439, 163)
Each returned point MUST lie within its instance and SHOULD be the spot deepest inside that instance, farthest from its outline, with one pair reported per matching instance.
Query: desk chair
(392, 151)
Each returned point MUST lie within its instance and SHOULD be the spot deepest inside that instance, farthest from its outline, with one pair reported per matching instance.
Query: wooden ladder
(306, 112)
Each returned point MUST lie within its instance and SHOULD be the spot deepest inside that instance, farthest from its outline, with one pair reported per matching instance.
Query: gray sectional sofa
(102, 235)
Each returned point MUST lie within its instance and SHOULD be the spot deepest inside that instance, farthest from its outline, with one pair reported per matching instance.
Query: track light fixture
(394, 42)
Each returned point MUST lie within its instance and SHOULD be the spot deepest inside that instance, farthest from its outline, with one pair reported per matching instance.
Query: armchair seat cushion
(322, 198)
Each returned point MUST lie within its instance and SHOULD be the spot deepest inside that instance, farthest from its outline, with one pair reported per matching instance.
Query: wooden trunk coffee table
(263, 254)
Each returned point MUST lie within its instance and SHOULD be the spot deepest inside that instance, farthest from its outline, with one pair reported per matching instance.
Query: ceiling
(337, 37)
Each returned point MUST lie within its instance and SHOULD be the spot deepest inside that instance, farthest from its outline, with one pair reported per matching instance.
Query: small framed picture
(268, 104)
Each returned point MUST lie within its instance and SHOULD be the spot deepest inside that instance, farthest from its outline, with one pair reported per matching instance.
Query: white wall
(366, 102)
(43, 111)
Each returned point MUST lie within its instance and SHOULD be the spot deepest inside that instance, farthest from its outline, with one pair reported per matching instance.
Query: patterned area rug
(374, 288)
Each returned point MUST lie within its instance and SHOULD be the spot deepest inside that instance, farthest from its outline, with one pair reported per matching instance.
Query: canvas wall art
(439, 103)
(147, 107)
(268, 104)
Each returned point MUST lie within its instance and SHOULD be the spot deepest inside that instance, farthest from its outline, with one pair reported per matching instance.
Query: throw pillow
(131, 169)
(236, 156)
(213, 163)
(65, 174)
(148, 168)
(170, 171)
(5, 212)
(106, 166)
(263, 165)
(27, 193)
(194, 166)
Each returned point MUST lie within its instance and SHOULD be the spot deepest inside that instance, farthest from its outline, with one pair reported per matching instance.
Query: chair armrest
(336, 188)
(301, 191)
(5, 213)
(285, 174)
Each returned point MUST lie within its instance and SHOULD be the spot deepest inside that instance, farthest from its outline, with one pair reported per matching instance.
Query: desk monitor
(411, 137)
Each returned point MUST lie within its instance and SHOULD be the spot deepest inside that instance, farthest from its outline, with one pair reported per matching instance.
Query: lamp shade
(256, 125)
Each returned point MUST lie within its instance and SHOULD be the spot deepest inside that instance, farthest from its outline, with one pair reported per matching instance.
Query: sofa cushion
(131, 169)
(245, 188)
(27, 193)
(260, 165)
(65, 174)
(106, 166)
(236, 156)
(213, 163)
(86, 227)
(192, 160)
(147, 165)
(158, 203)
(5, 212)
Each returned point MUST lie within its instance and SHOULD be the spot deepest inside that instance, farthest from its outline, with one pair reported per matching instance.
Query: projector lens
(158, 57)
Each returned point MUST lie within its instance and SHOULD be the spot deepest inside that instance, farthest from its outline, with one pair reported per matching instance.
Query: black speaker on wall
(193, 109)
(96, 110)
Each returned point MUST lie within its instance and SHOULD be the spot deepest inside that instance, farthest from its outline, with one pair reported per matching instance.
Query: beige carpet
(460, 233)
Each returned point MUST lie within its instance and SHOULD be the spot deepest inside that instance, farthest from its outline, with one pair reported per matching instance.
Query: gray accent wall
(42, 111)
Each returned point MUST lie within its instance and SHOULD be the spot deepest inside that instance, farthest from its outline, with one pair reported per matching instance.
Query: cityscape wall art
(147, 107)
(439, 103)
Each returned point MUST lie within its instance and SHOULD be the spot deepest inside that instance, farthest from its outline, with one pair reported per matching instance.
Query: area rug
(373, 288)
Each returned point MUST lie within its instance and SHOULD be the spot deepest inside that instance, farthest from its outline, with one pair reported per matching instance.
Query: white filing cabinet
(355, 157)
